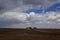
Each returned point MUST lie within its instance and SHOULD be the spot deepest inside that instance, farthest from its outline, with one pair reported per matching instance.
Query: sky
(30, 13)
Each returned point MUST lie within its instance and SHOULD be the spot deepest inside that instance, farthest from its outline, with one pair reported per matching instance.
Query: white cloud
(12, 13)
(31, 19)
(15, 15)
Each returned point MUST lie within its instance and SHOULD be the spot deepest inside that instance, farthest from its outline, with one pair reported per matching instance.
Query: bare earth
(29, 34)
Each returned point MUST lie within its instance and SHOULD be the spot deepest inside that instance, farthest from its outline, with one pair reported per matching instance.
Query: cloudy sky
(29, 13)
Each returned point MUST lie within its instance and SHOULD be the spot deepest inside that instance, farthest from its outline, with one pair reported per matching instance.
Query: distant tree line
(31, 28)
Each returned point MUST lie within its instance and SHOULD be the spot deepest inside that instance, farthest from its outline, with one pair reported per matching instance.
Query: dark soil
(29, 34)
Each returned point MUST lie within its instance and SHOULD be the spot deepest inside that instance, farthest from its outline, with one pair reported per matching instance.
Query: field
(29, 34)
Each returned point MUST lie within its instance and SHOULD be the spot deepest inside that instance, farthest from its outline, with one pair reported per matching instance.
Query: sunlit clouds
(31, 18)
(12, 14)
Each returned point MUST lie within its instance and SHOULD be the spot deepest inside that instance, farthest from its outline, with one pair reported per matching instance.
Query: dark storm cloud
(53, 0)
(6, 5)
(34, 2)
(44, 3)
(12, 4)
(6, 22)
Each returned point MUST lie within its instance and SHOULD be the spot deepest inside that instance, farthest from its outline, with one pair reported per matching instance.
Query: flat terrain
(29, 34)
